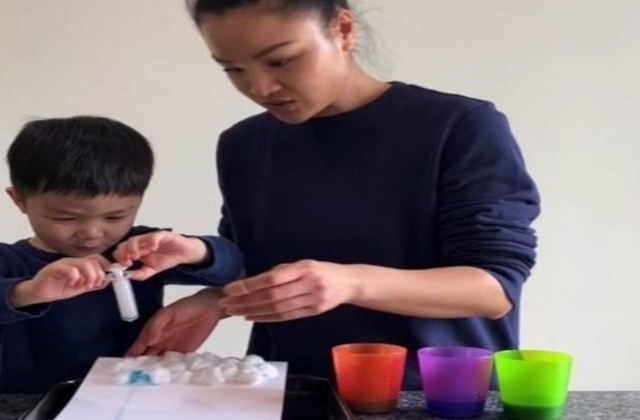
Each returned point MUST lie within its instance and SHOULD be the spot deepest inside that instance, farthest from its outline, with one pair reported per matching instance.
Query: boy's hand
(159, 251)
(63, 279)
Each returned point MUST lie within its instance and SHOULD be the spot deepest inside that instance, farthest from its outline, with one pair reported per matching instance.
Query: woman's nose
(262, 84)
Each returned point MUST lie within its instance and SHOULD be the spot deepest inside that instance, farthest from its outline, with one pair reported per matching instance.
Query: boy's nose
(90, 232)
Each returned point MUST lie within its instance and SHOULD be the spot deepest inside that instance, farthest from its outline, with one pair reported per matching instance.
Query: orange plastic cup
(369, 375)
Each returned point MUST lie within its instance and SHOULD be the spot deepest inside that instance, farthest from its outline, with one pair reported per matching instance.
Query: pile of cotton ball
(192, 368)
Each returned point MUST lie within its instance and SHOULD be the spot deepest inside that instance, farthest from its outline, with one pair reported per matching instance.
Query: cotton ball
(217, 374)
(120, 378)
(201, 363)
(267, 370)
(229, 369)
(181, 377)
(143, 359)
(211, 357)
(229, 361)
(189, 358)
(183, 368)
(173, 365)
(124, 364)
(252, 359)
(246, 375)
(204, 377)
(147, 361)
(173, 356)
(160, 375)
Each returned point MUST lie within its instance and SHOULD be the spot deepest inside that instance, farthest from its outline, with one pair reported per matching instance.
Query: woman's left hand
(291, 291)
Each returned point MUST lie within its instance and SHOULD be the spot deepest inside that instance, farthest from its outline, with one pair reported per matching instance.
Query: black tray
(306, 398)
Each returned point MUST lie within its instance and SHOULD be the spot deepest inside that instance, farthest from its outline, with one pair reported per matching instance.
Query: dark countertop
(592, 405)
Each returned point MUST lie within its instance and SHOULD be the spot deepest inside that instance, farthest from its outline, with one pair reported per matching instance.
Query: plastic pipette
(124, 293)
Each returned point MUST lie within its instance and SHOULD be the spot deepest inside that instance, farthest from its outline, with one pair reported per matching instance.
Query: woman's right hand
(181, 326)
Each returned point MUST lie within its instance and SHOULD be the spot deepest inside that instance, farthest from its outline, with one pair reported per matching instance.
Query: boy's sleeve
(225, 267)
(487, 200)
(10, 314)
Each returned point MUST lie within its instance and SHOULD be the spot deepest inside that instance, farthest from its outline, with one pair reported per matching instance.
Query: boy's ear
(17, 199)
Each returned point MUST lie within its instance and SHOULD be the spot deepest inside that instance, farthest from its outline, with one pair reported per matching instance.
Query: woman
(366, 211)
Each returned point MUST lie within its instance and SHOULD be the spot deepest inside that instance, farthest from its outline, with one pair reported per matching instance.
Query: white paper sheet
(97, 399)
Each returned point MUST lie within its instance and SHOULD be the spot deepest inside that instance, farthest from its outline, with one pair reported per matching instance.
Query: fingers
(240, 287)
(97, 266)
(281, 283)
(142, 273)
(91, 274)
(273, 307)
(153, 331)
(157, 251)
(155, 351)
(282, 274)
(151, 334)
(87, 273)
(72, 274)
(100, 261)
(166, 346)
(182, 326)
(122, 254)
(136, 248)
(268, 295)
(158, 341)
(150, 342)
(174, 340)
(291, 301)
(304, 288)
(286, 316)
(138, 348)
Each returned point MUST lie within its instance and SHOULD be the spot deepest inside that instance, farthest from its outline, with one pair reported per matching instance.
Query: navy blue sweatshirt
(416, 179)
(43, 344)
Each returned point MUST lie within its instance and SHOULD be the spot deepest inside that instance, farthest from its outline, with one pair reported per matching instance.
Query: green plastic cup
(533, 384)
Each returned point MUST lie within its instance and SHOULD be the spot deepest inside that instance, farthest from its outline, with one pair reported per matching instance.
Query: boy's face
(75, 226)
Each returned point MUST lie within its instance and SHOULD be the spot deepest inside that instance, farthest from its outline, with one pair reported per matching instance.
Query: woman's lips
(279, 105)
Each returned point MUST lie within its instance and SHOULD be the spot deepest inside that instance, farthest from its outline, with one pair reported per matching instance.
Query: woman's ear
(17, 199)
(344, 28)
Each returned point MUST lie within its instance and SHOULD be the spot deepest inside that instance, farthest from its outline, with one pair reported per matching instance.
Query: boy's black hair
(326, 8)
(83, 156)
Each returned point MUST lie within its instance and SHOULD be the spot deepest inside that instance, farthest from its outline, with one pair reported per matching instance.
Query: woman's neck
(359, 89)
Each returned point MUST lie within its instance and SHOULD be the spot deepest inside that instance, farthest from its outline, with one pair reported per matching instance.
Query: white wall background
(567, 73)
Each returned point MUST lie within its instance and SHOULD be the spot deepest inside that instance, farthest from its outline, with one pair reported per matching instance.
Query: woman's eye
(279, 63)
(232, 70)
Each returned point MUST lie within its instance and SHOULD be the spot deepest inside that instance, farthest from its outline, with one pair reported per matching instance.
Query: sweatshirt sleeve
(8, 313)
(487, 200)
(225, 267)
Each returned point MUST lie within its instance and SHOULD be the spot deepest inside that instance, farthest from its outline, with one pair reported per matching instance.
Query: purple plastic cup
(455, 380)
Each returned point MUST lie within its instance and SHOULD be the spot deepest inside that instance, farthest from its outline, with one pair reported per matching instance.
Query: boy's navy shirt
(44, 344)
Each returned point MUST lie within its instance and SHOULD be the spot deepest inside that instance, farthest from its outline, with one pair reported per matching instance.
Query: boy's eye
(62, 219)
(115, 218)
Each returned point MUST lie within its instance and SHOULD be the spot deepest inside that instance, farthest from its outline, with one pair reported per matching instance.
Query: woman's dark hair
(325, 8)
(83, 156)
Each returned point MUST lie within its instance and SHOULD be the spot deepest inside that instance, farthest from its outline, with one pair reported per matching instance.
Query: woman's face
(293, 64)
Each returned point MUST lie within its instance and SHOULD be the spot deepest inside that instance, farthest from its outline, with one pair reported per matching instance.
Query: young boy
(80, 182)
